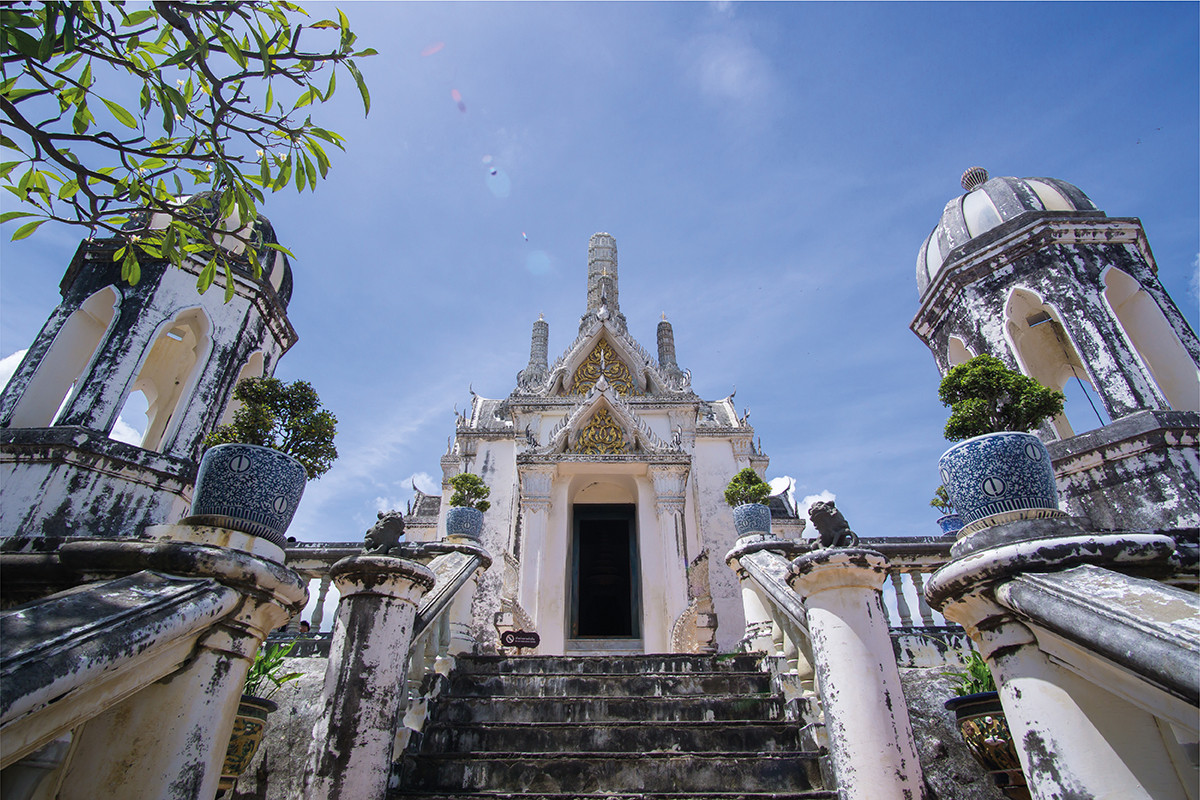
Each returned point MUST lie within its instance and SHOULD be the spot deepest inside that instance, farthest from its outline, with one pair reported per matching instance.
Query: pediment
(604, 424)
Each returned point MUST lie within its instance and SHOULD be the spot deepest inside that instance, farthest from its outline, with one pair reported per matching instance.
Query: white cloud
(399, 502)
(8, 365)
(729, 69)
(124, 432)
(824, 496)
(1193, 284)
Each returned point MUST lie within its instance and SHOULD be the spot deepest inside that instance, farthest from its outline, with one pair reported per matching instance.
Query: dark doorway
(604, 587)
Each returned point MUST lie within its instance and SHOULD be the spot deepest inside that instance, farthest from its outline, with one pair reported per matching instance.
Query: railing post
(918, 580)
(351, 753)
(870, 737)
(902, 609)
(319, 612)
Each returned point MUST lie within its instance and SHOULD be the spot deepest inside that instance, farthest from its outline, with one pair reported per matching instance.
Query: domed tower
(61, 473)
(1028, 270)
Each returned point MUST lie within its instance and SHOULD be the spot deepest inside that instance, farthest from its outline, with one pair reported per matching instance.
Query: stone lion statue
(831, 525)
(384, 535)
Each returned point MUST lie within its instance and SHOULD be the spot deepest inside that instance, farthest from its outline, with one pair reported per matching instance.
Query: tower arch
(1152, 339)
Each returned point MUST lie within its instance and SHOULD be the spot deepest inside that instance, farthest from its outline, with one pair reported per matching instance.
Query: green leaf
(301, 175)
(231, 48)
(229, 285)
(68, 189)
(362, 86)
(131, 271)
(305, 98)
(9, 216)
(137, 18)
(325, 23)
(311, 172)
(123, 116)
(27, 229)
(370, 51)
(7, 167)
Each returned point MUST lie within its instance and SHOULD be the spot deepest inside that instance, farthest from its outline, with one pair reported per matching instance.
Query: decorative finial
(540, 317)
(973, 178)
(664, 316)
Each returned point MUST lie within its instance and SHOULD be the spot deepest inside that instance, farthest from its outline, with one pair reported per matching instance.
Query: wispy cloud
(729, 69)
(8, 365)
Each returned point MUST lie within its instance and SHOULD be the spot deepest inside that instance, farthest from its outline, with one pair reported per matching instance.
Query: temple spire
(602, 274)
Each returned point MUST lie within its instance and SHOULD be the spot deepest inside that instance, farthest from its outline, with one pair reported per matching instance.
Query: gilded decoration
(601, 436)
(603, 360)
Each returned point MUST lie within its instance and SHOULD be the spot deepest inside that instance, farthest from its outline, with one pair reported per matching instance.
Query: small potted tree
(981, 722)
(467, 504)
(747, 493)
(949, 521)
(999, 471)
(266, 676)
(254, 469)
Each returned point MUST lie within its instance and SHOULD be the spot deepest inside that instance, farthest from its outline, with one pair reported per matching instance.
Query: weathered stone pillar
(168, 740)
(1073, 738)
(866, 718)
(351, 753)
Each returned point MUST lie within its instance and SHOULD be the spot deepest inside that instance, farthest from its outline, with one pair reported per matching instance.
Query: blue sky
(769, 171)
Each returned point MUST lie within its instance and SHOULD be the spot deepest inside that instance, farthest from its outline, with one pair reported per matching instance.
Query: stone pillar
(536, 483)
(1065, 728)
(670, 487)
(168, 740)
(351, 753)
(866, 718)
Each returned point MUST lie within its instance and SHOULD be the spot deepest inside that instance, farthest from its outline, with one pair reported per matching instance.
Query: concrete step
(670, 663)
(815, 794)
(606, 709)
(627, 737)
(598, 772)
(596, 684)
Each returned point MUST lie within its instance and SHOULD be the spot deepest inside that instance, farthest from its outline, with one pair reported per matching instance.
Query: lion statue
(384, 535)
(831, 525)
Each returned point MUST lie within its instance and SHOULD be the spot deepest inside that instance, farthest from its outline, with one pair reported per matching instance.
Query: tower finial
(973, 178)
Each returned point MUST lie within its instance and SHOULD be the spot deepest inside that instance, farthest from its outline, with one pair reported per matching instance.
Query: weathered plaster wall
(713, 464)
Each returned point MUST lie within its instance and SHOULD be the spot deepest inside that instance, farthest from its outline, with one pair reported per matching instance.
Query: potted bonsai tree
(254, 469)
(467, 504)
(998, 471)
(949, 521)
(266, 676)
(981, 722)
(747, 494)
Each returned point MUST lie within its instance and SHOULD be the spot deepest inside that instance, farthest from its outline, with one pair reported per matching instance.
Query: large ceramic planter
(752, 518)
(981, 722)
(999, 477)
(463, 521)
(248, 488)
(248, 729)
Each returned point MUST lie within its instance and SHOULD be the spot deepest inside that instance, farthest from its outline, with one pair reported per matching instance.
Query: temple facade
(607, 472)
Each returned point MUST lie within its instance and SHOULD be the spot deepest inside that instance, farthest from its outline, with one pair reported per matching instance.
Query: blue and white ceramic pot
(248, 488)
(751, 518)
(464, 521)
(950, 523)
(999, 477)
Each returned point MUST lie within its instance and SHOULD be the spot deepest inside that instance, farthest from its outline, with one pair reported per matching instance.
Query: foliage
(975, 677)
(266, 674)
(747, 487)
(212, 83)
(285, 416)
(941, 501)
(986, 397)
(469, 491)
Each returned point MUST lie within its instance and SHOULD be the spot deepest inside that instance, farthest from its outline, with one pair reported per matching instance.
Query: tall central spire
(602, 273)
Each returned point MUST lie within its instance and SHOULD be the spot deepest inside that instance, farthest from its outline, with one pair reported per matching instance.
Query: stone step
(669, 663)
(598, 772)
(815, 794)
(606, 709)
(595, 684)
(628, 737)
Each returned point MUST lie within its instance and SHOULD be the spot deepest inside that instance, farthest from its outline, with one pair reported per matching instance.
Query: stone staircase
(659, 727)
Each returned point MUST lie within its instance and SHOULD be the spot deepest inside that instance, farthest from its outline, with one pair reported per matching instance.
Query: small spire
(664, 319)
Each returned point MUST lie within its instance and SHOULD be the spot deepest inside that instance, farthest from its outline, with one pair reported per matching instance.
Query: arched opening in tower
(169, 372)
(58, 373)
(1153, 339)
(253, 368)
(1046, 353)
